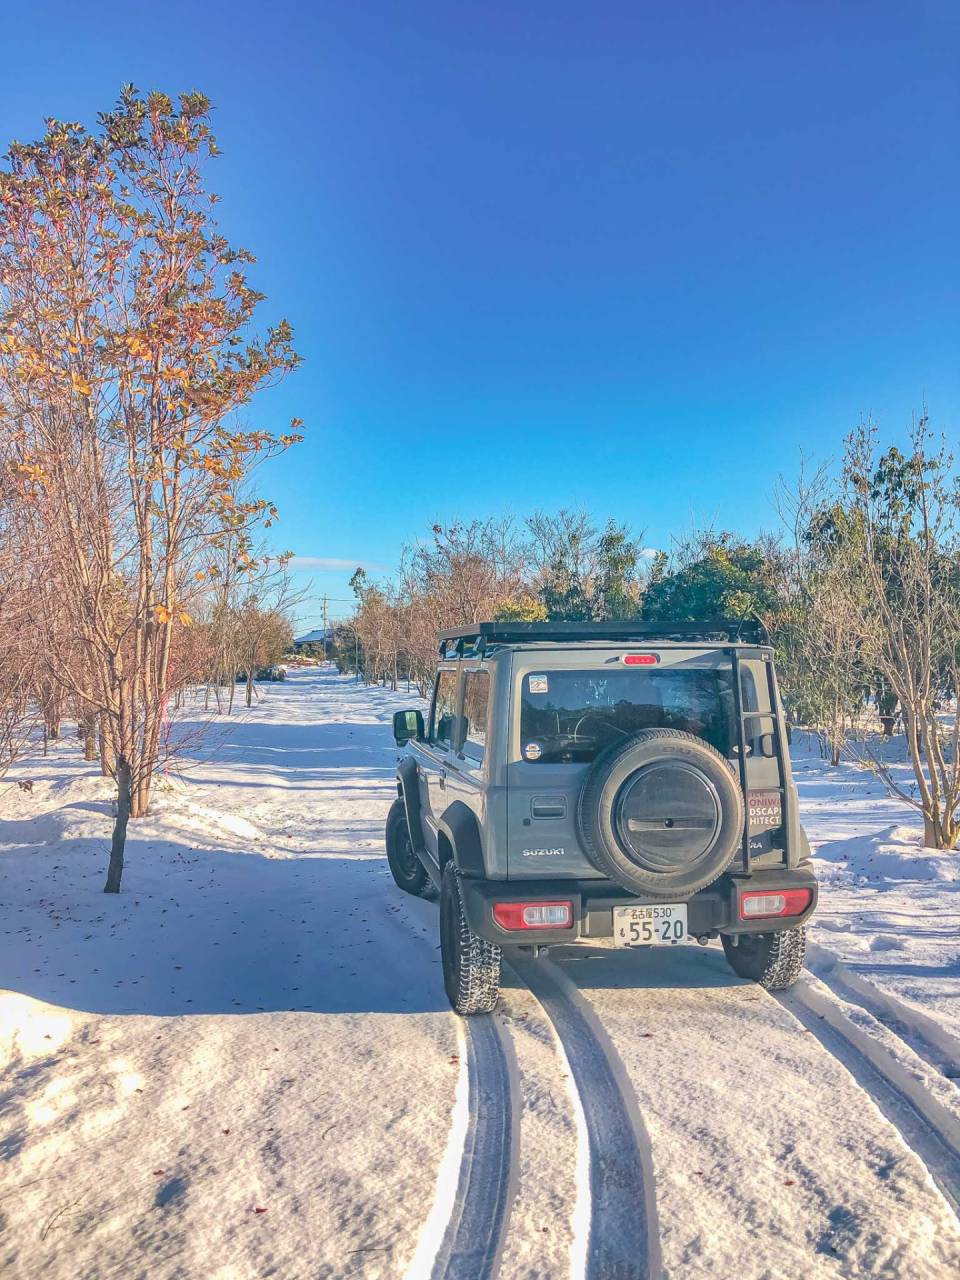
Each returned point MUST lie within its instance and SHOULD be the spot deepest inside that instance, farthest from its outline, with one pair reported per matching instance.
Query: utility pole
(325, 628)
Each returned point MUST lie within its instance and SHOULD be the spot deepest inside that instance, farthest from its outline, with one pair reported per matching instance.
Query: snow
(256, 1022)
(770, 1160)
(889, 909)
(550, 1215)
(244, 1065)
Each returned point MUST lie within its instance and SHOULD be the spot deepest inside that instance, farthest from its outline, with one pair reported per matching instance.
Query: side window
(476, 697)
(443, 717)
(763, 768)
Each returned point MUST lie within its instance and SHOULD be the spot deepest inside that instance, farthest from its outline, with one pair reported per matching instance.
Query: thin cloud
(334, 563)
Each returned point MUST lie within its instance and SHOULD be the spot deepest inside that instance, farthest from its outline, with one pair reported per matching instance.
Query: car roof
(720, 633)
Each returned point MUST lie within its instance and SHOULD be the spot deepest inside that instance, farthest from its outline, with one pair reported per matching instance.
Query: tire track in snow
(928, 1128)
(624, 1241)
(923, 1034)
(473, 1241)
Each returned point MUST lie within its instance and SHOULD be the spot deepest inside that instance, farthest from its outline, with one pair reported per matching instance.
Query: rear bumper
(713, 910)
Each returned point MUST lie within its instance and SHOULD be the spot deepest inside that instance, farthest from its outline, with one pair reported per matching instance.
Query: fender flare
(459, 825)
(805, 851)
(408, 785)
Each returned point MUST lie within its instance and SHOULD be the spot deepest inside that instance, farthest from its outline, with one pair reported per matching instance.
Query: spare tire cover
(661, 814)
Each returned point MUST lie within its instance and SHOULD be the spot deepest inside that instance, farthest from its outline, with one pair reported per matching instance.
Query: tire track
(624, 1242)
(926, 1037)
(473, 1241)
(928, 1128)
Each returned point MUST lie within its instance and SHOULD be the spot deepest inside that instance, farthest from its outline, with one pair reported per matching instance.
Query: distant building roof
(315, 637)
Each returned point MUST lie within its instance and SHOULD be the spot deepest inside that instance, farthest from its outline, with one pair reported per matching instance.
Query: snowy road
(244, 1066)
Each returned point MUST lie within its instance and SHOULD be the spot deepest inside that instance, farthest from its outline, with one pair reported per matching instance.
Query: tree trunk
(140, 801)
(115, 870)
(940, 832)
(88, 731)
(250, 688)
(108, 757)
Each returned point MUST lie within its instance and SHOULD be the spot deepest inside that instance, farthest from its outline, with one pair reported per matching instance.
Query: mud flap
(408, 776)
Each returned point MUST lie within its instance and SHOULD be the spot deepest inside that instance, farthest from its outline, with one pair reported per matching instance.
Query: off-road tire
(775, 960)
(471, 965)
(406, 868)
(611, 775)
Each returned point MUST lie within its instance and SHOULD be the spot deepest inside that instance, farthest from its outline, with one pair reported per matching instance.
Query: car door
(437, 752)
(465, 779)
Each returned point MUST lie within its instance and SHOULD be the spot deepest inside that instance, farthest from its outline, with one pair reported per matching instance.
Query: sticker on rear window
(532, 751)
(539, 684)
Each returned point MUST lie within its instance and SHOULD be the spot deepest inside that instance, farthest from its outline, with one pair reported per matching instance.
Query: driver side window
(443, 718)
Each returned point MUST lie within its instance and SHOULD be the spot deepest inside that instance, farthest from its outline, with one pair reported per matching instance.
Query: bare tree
(821, 663)
(902, 528)
(21, 641)
(262, 628)
(125, 355)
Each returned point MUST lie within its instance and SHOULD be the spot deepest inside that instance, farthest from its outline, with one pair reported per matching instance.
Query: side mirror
(407, 725)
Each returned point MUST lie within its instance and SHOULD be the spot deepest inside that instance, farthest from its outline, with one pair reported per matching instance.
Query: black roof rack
(482, 635)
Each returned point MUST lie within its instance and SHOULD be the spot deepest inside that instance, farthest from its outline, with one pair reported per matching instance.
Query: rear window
(443, 717)
(568, 717)
(759, 725)
(476, 695)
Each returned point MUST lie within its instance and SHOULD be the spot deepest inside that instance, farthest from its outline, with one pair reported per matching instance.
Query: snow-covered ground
(244, 1065)
(889, 908)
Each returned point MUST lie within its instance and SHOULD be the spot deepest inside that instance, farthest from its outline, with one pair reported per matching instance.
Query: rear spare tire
(661, 814)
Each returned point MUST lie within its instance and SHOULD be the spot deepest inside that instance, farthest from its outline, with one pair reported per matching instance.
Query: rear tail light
(533, 915)
(788, 902)
(640, 659)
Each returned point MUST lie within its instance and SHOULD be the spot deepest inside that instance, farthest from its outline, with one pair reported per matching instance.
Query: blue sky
(630, 256)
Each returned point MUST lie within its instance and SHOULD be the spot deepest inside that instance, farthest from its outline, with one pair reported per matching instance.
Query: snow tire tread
(785, 963)
(473, 985)
(775, 960)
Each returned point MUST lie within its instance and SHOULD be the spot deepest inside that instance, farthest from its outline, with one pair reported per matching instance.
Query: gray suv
(620, 781)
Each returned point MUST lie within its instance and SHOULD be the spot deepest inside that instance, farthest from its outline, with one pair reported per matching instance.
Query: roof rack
(483, 635)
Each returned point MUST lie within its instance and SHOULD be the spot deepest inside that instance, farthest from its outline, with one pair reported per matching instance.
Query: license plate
(664, 923)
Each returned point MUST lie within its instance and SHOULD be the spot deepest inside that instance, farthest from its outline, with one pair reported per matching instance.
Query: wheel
(661, 814)
(471, 965)
(405, 867)
(775, 960)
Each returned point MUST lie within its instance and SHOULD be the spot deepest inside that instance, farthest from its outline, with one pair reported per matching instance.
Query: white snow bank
(889, 909)
(244, 1064)
(894, 853)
